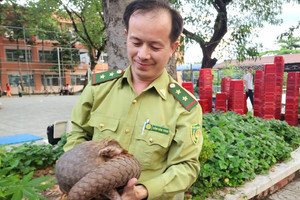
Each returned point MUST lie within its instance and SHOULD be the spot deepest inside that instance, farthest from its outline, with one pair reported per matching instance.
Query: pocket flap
(103, 122)
(154, 138)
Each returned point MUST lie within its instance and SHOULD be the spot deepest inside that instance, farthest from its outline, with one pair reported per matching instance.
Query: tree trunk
(171, 67)
(116, 39)
(207, 60)
(220, 29)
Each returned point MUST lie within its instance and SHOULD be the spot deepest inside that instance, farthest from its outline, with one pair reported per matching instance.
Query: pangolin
(95, 170)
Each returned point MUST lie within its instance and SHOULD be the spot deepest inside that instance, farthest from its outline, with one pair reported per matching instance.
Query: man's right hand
(134, 192)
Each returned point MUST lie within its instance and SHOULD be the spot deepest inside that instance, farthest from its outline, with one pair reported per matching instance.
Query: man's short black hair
(150, 5)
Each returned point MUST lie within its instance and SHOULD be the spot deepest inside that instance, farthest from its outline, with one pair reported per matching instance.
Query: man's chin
(144, 75)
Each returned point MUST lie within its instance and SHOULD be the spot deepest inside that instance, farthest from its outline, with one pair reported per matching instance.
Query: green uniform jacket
(154, 126)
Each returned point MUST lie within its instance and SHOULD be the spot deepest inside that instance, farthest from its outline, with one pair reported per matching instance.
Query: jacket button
(172, 85)
(150, 140)
(127, 130)
(134, 101)
(101, 125)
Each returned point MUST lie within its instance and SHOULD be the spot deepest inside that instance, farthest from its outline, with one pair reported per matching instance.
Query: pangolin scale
(95, 169)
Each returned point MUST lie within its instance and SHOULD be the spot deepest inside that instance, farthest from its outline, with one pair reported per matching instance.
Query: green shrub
(18, 164)
(29, 157)
(243, 146)
(14, 187)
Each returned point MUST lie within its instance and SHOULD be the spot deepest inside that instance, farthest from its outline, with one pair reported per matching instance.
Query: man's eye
(155, 48)
(136, 44)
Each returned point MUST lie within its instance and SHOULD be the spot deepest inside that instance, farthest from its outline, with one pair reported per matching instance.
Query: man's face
(148, 44)
(250, 70)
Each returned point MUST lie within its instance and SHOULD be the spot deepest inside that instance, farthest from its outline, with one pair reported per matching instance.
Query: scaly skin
(94, 169)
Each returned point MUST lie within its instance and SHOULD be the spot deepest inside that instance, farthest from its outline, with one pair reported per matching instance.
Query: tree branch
(88, 39)
(195, 37)
(220, 26)
(101, 14)
(74, 24)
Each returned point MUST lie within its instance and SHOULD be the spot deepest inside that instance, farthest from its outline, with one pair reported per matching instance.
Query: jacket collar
(160, 84)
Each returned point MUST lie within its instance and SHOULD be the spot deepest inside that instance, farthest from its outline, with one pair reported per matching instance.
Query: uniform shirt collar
(160, 84)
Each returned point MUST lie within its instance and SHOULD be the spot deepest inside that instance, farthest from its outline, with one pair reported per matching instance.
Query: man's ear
(125, 31)
(174, 46)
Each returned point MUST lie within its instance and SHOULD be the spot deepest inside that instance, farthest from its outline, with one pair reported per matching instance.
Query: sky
(267, 35)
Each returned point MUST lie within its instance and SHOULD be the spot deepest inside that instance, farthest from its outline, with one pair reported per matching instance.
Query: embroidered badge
(195, 133)
(158, 129)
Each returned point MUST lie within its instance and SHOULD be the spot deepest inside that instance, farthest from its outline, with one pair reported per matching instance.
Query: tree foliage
(87, 21)
(68, 53)
(13, 18)
(84, 18)
(288, 40)
(289, 43)
(216, 25)
(227, 25)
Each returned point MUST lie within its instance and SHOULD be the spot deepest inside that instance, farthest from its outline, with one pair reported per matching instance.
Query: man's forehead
(150, 13)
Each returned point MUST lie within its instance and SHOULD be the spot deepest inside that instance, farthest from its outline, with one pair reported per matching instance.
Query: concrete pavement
(32, 114)
(290, 192)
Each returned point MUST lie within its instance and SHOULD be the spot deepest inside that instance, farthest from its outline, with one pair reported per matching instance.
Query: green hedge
(237, 147)
(17, 166)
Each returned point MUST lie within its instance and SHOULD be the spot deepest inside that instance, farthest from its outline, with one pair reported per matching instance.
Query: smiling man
(143, 108)
(148, 45)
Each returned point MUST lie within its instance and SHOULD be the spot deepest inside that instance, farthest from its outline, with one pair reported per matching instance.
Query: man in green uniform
(144, 109)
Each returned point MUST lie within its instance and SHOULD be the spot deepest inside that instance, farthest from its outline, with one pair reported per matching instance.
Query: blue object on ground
(14, 139)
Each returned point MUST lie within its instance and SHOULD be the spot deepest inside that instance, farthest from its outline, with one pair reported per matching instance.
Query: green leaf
(27, 177)
(222, 165)
(15, 163)
(18, 195)
(30, 193)
(44, 186)
(39, 181)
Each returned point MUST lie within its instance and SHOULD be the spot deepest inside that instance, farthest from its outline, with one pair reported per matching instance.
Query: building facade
(33, 65)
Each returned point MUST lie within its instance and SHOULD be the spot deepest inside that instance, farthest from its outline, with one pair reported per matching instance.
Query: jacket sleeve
(183, 159)
(80, 116)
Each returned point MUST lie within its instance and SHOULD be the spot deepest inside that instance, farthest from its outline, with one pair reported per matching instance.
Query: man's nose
(144, 52)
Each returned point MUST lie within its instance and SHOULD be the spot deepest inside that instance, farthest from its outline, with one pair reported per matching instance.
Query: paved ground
(32, 114)
(289, 192)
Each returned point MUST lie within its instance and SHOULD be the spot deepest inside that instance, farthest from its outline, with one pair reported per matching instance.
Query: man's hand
(133, 192)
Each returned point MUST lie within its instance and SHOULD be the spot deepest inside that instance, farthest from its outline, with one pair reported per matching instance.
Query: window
(77, 79)
(14, 79)
(51, 80)
(46, 56)
(14, 54)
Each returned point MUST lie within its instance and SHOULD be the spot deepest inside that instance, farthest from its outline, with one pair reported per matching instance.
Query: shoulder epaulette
(106, 76)
(185, 99)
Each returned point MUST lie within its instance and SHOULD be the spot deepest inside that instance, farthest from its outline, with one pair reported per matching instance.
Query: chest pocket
(104, 126)
(152, 149)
